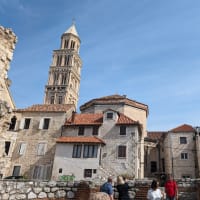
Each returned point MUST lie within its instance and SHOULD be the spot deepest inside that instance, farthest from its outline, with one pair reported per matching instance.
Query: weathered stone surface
(60, 193)
(51, 195)
(37, 190)
(20, 196)
(99, 196)
(42, 195)
(32, 195)
(47, 189)
(70, 194)
(54, 189)
(5, 196)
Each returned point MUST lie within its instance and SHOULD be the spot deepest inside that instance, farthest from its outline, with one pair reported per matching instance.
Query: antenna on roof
(73, 21)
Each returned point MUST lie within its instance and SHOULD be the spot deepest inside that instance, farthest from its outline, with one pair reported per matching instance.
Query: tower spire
(64, 74)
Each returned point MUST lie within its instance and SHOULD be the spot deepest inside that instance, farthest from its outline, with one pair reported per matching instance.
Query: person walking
(154, 193)
(107, 188)
(171, 189)
(122, 188)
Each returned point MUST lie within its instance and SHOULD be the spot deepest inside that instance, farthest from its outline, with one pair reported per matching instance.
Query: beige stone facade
(65, 71)
(7, 138)
(37, 129)
(119, 155)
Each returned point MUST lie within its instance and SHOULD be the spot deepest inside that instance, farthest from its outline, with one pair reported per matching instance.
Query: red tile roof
(96, 119)
(47, 108)
(85, 119)
(115, 99)
(155, 135)
(183, 128)
(80, 139)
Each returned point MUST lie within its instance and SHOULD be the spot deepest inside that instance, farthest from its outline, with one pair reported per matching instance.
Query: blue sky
(148, 50)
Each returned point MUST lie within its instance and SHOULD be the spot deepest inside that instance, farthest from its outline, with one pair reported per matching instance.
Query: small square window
(183, 140)
(184, 156)
(81, 130)
(122, 130)
(109, 115)
(60, 170)
(95, 130)
(121, 151)
(87, 173)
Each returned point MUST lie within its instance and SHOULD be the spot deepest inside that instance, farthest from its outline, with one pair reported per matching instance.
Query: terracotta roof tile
(96, 119)
(123, 119)
(115, 99)
(47, 108)
(155, 135)
(85, 119)
(183, 128)
(80, 139)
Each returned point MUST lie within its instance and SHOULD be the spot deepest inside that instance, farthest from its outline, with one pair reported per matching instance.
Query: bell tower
(64, 73)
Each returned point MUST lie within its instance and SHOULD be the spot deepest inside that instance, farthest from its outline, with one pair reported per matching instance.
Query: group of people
(171, 190)
(122, 188)
(154, 193)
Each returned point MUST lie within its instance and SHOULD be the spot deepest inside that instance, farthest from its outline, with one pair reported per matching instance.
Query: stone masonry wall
(7, 45)
(52, 190)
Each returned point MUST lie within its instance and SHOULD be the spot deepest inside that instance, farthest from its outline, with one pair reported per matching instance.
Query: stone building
(96, 145)
(64, 74)
(37, 128)
(135, 110)
(7, 138)
(173, 152)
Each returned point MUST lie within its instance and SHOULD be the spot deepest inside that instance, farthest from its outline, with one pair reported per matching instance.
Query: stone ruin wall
(7, 45)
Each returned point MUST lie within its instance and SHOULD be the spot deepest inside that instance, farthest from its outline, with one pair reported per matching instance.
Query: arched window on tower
(67, 59)
(59, 60)
(12, 123)
(72, 44)
(66, 44)
(60, 100)
(64, 78)
(52, 100)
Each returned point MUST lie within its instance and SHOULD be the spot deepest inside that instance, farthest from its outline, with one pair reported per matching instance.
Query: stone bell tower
(64, 74)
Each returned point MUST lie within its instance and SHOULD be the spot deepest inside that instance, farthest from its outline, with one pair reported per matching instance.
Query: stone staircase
(141, 193)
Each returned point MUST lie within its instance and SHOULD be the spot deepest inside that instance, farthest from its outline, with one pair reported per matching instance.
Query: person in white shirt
(154, 193)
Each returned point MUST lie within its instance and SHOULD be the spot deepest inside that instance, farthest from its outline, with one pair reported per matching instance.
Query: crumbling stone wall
(7, 45)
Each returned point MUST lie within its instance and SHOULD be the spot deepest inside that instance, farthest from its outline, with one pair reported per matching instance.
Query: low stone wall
(43, 190)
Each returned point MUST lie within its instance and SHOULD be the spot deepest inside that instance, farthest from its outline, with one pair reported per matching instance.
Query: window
(27, 122)
(90, 151)
(184, 156)
(122, 130)
(52, 100)
(44, 123)
(77, 151)
(42, 172)
(81, 130)
(12, 123)
(87, 173)
(95, 130)
(121, 151)
(41, 149)
(22, 148)
(183, 140)
(60, 100)
(16, 170)
(7, 147)
(109, 115)
(153, 166)
(60, 170)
